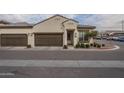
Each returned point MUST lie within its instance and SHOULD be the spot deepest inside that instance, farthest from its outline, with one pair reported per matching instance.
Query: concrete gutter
(62, 63)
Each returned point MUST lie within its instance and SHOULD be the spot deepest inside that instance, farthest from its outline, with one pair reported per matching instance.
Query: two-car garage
(51, 39)
(13, 40)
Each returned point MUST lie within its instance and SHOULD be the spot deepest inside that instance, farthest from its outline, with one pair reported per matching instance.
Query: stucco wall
(52, 25)
(72, 25)
(27, 31)
(15, 30)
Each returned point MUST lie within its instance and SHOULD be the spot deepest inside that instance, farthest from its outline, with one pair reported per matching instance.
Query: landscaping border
(115, 47)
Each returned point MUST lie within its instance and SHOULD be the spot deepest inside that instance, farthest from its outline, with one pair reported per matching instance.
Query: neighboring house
(54, 31)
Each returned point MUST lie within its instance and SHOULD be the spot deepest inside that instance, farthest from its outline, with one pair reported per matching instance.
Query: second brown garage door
(49, 39)
(13, 39)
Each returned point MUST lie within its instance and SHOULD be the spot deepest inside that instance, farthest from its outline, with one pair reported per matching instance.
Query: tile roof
(86, 27)
(14, 25)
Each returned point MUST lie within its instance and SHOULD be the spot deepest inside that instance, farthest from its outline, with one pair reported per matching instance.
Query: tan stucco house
(54, 31)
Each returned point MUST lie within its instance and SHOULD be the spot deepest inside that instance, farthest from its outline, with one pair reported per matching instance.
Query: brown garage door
(13, 39)
(48, 39)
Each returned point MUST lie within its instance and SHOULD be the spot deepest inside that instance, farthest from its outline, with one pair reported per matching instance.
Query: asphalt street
(62, 72)
(64, 55)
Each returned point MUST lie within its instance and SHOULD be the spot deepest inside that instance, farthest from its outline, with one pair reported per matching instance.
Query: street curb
(115, 47)
(107, 49)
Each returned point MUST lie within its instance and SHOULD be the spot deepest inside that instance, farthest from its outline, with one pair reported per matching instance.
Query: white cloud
(106, 21)
(102, 21)
(13, 18)
(31, 18)
(70, 15)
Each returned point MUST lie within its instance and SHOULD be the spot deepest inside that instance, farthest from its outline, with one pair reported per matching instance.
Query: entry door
(70, 37)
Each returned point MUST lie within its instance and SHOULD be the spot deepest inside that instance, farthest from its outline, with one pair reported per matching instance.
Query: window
(81, 35)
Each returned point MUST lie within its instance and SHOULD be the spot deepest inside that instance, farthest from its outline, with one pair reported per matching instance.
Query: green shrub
(65, 47)
(28, 46)
(91, 44)
(78, 45)
(95, 44)
(98, 46)
(82, 45)
(87, 46)
(103, 45)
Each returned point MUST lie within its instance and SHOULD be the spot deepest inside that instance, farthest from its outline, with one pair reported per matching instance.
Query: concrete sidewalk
(62, 63)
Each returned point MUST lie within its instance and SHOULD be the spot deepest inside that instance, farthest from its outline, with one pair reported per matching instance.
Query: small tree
(91, 35)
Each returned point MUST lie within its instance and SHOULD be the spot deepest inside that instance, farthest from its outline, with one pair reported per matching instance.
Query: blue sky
(102, 21)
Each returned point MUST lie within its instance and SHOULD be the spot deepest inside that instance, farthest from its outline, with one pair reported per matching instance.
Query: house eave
(20, 27)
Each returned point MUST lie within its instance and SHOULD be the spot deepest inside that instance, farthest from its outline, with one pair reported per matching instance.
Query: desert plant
(98, 46)
(91, 44)
(65, 47)
(77, 45)
(28, 46)
(87, 45)
(82, 45)
(95, 44)
(103, 45)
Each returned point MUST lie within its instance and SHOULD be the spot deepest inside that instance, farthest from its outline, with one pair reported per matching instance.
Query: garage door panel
(13, 40)
(48, 39)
